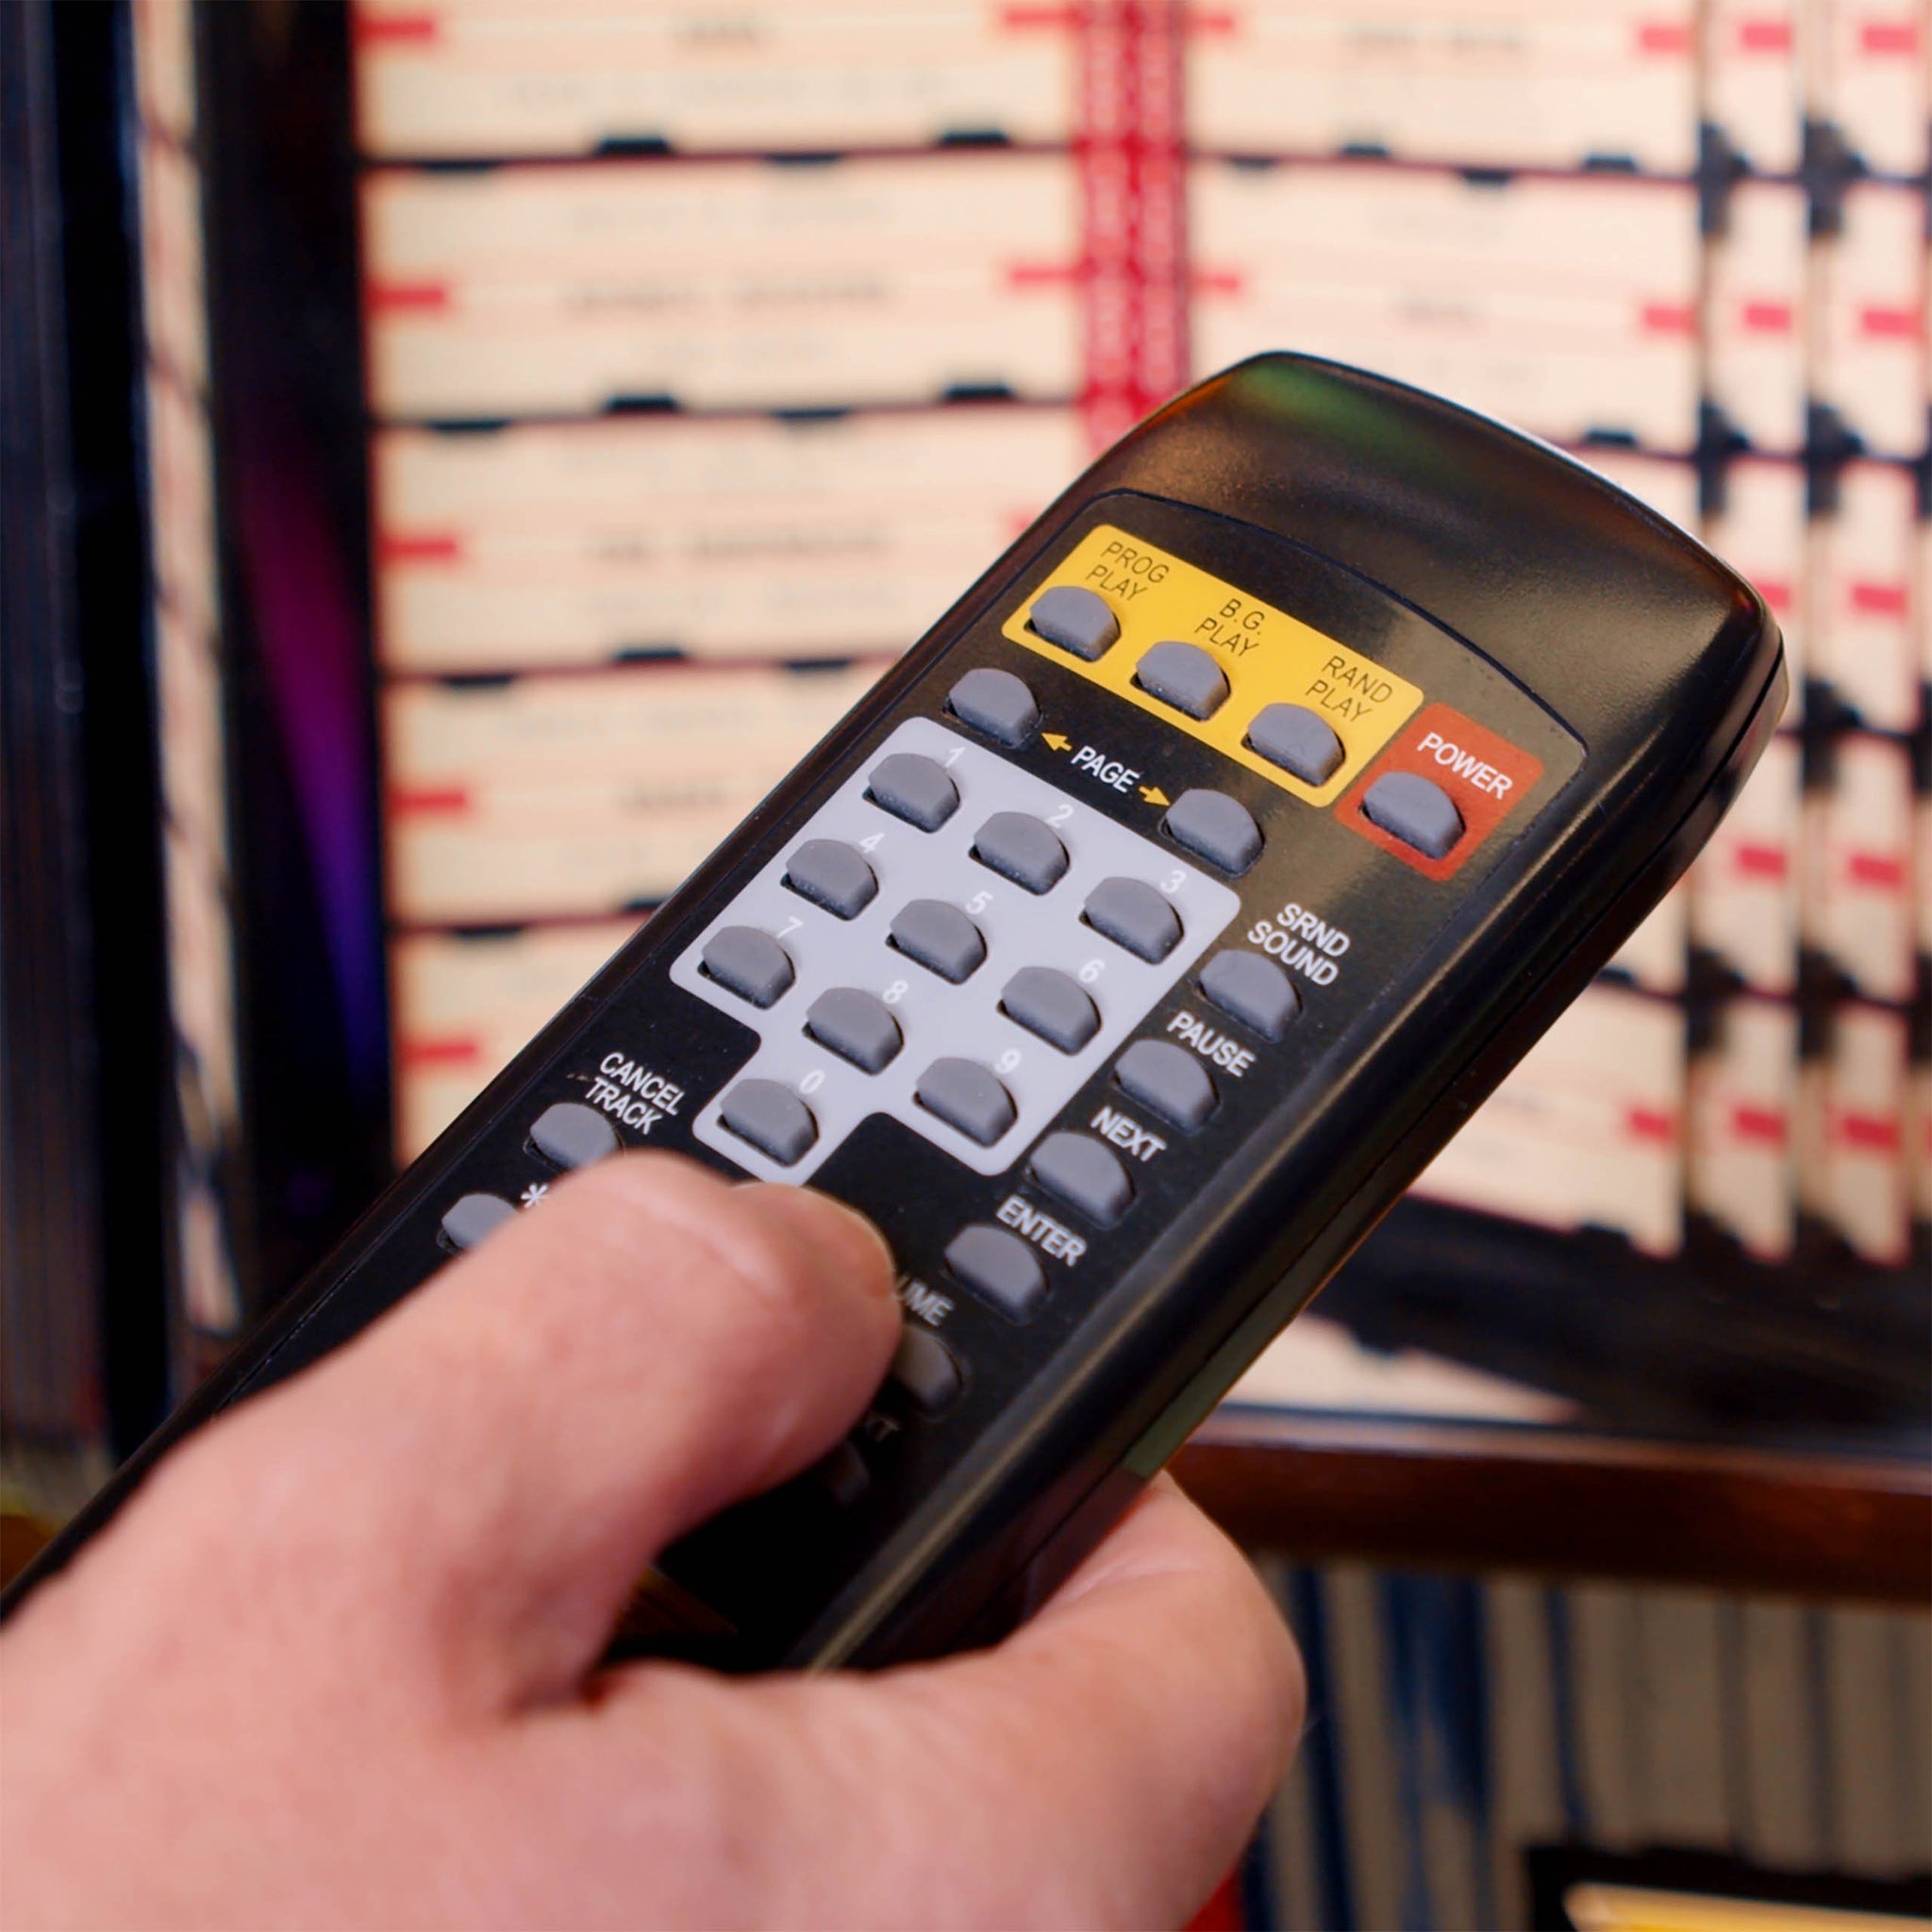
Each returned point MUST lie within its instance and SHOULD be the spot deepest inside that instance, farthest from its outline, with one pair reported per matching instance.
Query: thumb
(496, 1460)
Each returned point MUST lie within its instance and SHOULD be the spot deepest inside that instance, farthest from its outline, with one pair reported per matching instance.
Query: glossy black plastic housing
(1489, 568)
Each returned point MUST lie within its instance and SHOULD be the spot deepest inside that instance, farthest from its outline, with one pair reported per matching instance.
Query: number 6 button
(1048, 1003)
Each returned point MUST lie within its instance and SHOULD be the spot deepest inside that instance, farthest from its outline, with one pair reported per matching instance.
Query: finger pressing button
(968, 1096)
(1132, 914)
(1078, 620)
(1252, 990)
(1022, 848)
(748, 962)
(857, 1027)
(996, 703)
(923, 1365)
(1219, 828)
(833, 874)
(1303, 743)
(1085, 1173)
(941, 938)
(772, 1117)
(1184, 676)
(1169, 1079)
(998, 1267)
(1053, 1005)
(1408, 807)
(473, 1217)
(573, 1135)
(914, 789)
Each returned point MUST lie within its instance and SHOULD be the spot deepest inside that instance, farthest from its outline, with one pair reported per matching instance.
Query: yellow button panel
(1267, 657)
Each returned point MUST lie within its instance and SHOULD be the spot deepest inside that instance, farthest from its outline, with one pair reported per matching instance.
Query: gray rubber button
(996, 703)
(914, 789)
(1053, 1005)
(1085, 1173)
(573, 1135)
(843, 1477)
(1184, 676)
(1132, 914)
(1169, 1079)
(923, 1365)
(857, 1027)
(1077, 620)
(1415, 810)
(1220, 829)
(941, 938)
(473, 1217)
(1022, 848)
(772, 1117)
(968, 1096)
(748, 962)
(1252, 990)
(998, 1267)
(833, 874)
(1302, 744)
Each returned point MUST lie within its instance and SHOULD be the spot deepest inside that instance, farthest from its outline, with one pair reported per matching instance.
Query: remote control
(1124, 955)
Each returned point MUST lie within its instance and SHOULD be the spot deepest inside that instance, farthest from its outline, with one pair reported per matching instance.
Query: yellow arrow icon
(1154, 795)
(1054, 739)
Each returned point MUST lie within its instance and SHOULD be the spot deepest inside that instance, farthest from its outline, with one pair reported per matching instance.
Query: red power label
(1484, 775)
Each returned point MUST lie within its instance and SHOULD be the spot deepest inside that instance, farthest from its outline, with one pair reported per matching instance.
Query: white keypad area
(804, 1098)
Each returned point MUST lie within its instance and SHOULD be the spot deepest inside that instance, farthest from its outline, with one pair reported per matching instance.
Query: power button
(1441, 787)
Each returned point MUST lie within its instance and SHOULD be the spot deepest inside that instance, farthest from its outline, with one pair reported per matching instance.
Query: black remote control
(1124, 954)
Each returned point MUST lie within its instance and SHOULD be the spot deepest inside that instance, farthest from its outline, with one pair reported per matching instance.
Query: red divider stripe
(1039, 275)
(428, 546)
(1766, 1124)
(1650, 1123)
(1777, 592)
(1763, 861)
(1888, 323)
(1663, 36)
(1878, 868)
(1024, 18)
(457, 1050)
(407, 29)
(428, 798)
(408, 296)
(1889, 36)
(1765, 36)
(1669, 318)
(1879, 600)
(1871, 1133)
(1768, 318)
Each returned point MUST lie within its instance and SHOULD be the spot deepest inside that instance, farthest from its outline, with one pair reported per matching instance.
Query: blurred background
(458, 454)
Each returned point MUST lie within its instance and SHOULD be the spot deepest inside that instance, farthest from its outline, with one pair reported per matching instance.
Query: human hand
(337, 1663)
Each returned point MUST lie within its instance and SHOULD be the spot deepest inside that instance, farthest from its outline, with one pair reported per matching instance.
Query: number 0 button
(772, 1117)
